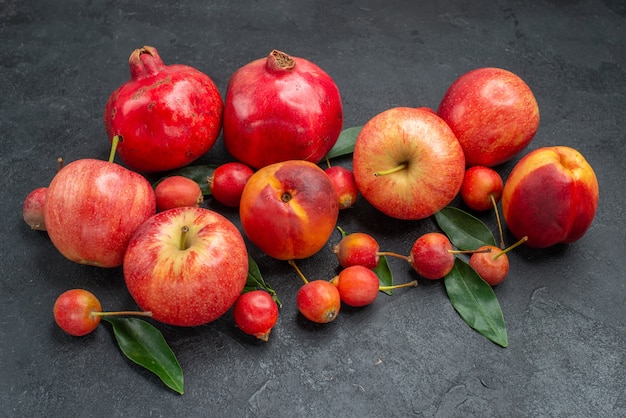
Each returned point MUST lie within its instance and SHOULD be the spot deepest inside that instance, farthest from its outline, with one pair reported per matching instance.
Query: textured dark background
(410, 354)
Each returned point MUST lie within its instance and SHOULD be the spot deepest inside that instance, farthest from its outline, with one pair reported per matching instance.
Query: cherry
(344, 184)
(493, 266)
(227, 182)
(318, 300)
(359, 286)
(256, 313)
(357, 248)
(177, 191)
(78, 312)
(32, 209)
(432, 256)
(481, 187)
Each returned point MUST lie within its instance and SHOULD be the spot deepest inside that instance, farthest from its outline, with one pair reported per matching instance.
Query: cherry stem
(384, 253)
(495, 209)
(397, 286)
(517, 244)
(397, 168)
(327, 160)
(114, 141)
(293, 264)
(122, 313)
(485, 250)
(183, 237)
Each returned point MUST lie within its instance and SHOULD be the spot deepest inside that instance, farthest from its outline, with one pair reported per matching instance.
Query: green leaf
(385, 277)
(255, 281)
(345, 142)
(197, 173)
(144, 344)
(476, 302)
(465, 231)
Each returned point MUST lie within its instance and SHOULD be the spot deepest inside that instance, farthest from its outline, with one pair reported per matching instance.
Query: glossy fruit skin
(357, 249)
(357, 286)
(492, 112)
(491, 269)
(32, 209)
(551, 196)
(227, 183)
(431, 257)
(177, 191)
(319, 301)
(167, 115)
(344, 184)
(190, 286)
(72, 312)
(281, 108)
(256, 313)
(289, 209)
(434, 158)
(478, 184)
(92, 209)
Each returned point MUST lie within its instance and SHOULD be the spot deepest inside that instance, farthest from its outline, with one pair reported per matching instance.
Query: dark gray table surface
(406, 355)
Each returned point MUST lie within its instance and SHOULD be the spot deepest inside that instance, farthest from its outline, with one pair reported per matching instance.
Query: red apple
(92, 209)
(289, 209)
(343, 182)
(493, 113)
(32, 209)
(407, 163)
(551, 196)
(186, 265)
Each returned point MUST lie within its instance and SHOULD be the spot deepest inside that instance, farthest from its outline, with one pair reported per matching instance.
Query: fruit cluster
(282, 116)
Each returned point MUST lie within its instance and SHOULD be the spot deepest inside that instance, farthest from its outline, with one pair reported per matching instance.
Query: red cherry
(227, 183)
(493, 266)
(256, 313)
(357, 285)
(357, 248)
(319, 301)
(177, 191)
(74, 312)
(344, 185)
(481, 185)
(431, 256)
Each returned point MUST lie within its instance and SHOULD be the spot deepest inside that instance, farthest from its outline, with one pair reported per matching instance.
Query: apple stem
(293, 264)
(495, 209)
(384, 253)
(485, 250)
(341, 231)
(122, 313)
(397, 286)
(183, 237)
(114, 141)
(518, 243)
(397, 168)
(60, 161)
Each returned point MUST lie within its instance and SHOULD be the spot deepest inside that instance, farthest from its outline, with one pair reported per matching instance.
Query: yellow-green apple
(407, 163)
(93, 207)
(492, 112)
(551, 196)
(289, 209)
(186, 265)
(32, 209)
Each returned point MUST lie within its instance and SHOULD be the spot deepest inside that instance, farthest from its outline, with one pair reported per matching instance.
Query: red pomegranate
(281, 108)
(166, 115)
